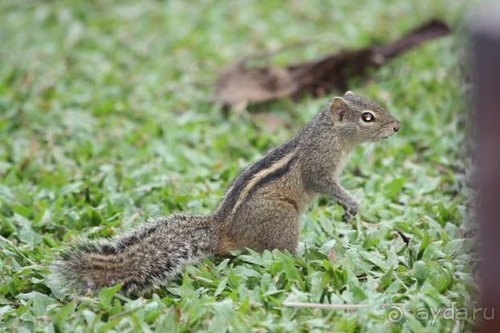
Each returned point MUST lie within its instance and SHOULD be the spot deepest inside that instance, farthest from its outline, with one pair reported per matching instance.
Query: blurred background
(107, 118)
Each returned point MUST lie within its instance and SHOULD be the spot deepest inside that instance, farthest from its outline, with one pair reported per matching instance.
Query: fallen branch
(349, 307)
(240, 84)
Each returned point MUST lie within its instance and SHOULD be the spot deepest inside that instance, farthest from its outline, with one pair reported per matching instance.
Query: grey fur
(260, 210)
(140, 260)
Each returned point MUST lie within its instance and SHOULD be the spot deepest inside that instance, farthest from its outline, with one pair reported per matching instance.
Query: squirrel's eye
(367, 117)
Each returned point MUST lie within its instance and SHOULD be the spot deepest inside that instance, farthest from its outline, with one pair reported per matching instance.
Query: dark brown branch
(240, 84)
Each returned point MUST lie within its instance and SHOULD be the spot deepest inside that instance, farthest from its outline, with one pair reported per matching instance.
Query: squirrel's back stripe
(273, 175)
(265, 175)
(271, 158)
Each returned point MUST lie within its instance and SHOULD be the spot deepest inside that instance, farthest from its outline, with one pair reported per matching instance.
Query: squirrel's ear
(338, 108)
(349, 93)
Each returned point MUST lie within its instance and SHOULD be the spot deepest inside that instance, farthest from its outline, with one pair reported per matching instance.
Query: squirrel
(259, 211)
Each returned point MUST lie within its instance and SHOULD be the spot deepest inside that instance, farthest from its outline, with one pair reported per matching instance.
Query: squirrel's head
(362, 119)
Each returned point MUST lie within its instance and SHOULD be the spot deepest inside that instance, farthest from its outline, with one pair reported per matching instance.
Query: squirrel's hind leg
(266, 225)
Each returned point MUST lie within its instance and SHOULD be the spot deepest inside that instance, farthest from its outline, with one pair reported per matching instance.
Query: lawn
(107, 119)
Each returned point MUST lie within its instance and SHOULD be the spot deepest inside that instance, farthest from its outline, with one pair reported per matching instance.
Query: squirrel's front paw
(350, 210)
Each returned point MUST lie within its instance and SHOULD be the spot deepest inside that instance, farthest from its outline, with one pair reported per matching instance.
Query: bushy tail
(140, 260)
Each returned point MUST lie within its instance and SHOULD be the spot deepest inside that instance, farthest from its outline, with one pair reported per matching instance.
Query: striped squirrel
(260, 210)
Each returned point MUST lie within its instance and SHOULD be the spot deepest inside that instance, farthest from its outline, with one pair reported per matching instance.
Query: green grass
(106, 119)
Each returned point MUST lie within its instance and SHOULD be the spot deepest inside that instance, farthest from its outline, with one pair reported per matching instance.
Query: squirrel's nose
(396, 127)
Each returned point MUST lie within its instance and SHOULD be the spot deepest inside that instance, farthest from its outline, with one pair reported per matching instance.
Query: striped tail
(140, 260)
